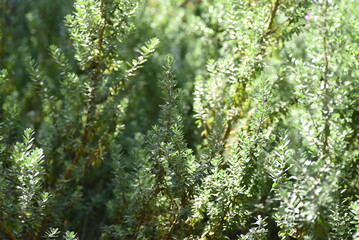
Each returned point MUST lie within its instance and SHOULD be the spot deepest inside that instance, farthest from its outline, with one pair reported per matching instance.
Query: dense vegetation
(179, 119)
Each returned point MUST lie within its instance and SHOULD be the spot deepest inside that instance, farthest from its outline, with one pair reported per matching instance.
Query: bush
(184, 119)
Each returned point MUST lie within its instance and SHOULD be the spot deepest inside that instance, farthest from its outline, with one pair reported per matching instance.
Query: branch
(263, 41)
(325, 79)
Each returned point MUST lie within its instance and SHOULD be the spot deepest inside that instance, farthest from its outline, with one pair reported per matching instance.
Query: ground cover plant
(179, 119)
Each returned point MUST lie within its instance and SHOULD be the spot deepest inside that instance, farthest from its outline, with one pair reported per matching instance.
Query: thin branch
(271, 19)
(95, 76)
(262, 50)
(325, 79)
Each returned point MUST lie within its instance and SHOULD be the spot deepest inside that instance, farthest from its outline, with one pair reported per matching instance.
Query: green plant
(248, 131)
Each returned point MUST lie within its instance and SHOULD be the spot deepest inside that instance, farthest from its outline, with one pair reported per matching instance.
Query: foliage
(24, 200)
(190, 119)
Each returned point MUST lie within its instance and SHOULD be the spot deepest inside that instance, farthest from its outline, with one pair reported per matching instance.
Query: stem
(271, 19)
(325, 79)
(262, 50)
(96, 71)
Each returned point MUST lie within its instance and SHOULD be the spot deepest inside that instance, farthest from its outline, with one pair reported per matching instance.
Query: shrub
(247, 130)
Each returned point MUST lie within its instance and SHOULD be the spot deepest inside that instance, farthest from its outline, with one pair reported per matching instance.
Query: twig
(325, 79)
